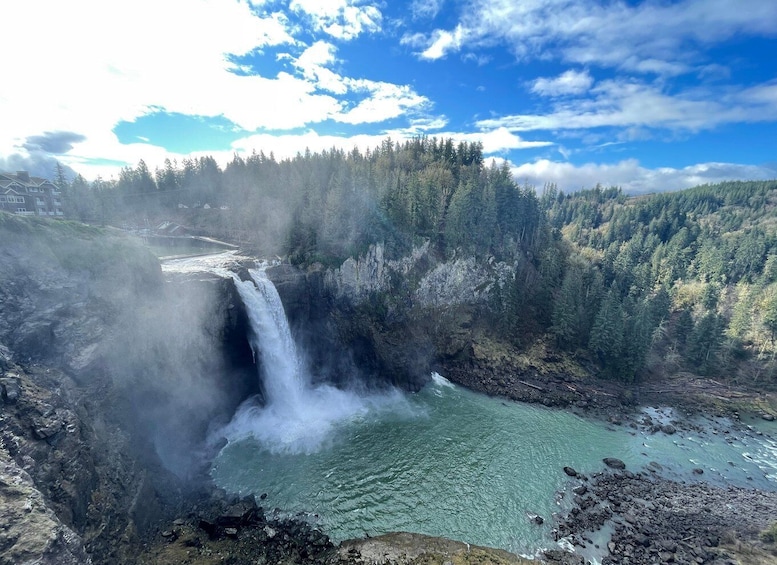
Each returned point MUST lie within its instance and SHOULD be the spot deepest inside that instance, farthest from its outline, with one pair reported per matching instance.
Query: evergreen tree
(704, 341)
(607, 332)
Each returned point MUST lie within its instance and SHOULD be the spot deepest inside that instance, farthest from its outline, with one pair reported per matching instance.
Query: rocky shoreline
(619, 516)
(650, 519)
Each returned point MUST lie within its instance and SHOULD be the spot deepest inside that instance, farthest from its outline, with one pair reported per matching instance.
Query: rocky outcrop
(30, 531)
(109, 379)
(359, 278)
(426, 281)
(404, 548)
(58, 292)
(389, 320)
(654, 520)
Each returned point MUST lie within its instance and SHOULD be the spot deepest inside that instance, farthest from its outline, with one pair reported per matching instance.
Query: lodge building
(29, 196)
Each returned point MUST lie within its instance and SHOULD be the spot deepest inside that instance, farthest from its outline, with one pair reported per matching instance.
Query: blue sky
(654, 95)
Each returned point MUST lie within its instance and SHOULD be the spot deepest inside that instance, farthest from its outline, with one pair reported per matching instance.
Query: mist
(170, 358)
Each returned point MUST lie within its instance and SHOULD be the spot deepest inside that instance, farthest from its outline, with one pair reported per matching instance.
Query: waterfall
(297, 417)
(281, 366)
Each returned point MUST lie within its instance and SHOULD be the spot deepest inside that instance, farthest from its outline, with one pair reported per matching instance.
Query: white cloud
(442, 42)
(423, 9)
(287, 146)
(568, 82)
(341, 19)
(634, 178)
(630, 104)
(313, 64)
(384, 102)
(423, 125)
(499, 140)
(94, 64)
(648, 37)
(281, 145)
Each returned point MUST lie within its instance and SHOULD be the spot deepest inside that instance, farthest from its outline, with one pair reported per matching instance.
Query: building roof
(22, 180)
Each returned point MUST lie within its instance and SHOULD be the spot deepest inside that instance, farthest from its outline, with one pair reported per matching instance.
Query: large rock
(614, 463)
(30, 532)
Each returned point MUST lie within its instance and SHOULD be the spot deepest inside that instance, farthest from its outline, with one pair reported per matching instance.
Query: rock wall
(110, 377)
(389, 321)
(29, 530)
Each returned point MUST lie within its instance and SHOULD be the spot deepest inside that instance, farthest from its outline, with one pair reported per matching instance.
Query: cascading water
(282, 375)
(297, 416)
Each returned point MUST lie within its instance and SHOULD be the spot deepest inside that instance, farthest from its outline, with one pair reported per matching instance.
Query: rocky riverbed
(620, 516)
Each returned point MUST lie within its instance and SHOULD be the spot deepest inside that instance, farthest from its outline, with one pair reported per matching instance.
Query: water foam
(441, 381)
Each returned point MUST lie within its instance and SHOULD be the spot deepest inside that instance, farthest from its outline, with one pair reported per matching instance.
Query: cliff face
(392, 321)
(109, 376)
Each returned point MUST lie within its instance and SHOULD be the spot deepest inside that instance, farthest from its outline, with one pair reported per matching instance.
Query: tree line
(673, 281)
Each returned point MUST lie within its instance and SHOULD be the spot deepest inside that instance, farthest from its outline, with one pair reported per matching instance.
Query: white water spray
(298, 417)
(282, 371)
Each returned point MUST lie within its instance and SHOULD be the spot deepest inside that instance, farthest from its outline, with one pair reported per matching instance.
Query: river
(453, 463)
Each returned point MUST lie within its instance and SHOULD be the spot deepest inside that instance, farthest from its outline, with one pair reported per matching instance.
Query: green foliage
(596, 269)
(608, 329)
(769, 535)
(699, 263)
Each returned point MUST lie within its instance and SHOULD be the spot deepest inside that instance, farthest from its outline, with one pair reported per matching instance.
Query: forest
(669, 282)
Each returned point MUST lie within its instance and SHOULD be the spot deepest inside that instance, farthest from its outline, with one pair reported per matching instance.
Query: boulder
(614, 463)
(10, 389)
(570, 471)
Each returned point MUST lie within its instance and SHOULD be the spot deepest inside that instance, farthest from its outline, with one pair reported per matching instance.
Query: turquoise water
(449, 462)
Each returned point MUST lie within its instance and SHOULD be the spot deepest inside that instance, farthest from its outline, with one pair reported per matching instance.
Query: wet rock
(768, 417)
(563, 557)
(668, 429)
(30, 532)
(240, 513)
(10, 389)
(698, 471)
(614, 463)
(647, 530)
(570, 471)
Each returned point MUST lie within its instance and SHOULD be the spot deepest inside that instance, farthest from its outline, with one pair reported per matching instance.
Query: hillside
(707, 257)
(632, 287)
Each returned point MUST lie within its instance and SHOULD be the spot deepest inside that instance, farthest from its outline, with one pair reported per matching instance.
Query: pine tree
(704, 341)
(607, 332)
